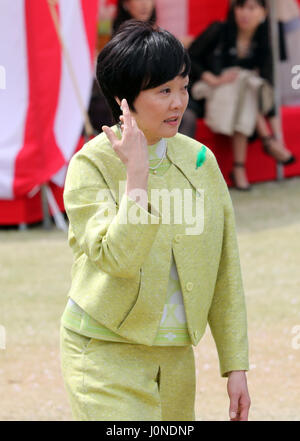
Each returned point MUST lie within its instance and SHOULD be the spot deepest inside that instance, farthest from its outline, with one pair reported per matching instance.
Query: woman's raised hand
(216, 80)
(229, 75)
(133, 152)
(132, 147)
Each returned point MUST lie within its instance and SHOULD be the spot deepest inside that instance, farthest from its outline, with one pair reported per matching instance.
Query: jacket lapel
(186, 162)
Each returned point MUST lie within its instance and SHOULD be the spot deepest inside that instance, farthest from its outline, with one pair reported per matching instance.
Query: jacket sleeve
(105, 232)
(202, 48)
(266, 66)
(227, 316)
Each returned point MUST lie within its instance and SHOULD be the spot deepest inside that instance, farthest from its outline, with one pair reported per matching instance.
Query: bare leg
(239, 147)
(277, 129)
(276, 146)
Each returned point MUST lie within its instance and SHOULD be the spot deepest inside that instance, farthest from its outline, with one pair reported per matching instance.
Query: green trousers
(111, 381)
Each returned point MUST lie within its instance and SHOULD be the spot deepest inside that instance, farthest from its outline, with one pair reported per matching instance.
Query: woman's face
(139, 9)
(249, 16)
(155, 107)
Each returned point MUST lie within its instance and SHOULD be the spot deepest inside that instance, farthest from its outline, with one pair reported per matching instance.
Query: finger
(126, 114)
(244, 410)
(237, 416)
(110, 134)
(122, 122)
(134, 123)
(244, 415)
(233, 407)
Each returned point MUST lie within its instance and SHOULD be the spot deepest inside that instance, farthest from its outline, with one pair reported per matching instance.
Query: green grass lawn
(35, 277)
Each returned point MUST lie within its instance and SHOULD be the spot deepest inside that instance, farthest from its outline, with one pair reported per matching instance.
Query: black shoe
(232, 177)
(266, 146)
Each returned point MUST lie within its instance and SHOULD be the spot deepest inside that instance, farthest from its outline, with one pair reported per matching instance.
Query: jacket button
(177, 238)
(189, 286)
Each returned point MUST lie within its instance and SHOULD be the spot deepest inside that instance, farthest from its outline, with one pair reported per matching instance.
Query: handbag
(234, 106)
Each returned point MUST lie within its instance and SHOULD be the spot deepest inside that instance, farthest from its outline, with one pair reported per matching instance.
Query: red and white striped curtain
(40, 117)
(41, 120)
(189, 17)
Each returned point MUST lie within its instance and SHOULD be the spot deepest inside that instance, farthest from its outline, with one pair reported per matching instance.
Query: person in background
(241, 41)
(143, 10)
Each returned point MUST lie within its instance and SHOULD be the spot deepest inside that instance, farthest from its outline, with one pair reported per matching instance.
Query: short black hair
(241, 3)
(139, 57)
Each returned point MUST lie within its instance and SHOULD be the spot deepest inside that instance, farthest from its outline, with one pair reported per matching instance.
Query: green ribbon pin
(201, 156)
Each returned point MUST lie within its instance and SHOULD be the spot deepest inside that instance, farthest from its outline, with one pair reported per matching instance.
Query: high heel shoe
(267, 149)
(232, 177)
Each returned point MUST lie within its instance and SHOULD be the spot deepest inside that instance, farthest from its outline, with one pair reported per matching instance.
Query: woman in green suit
(152, 229)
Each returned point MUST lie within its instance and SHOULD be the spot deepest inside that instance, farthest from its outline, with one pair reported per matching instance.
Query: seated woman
(240, 42)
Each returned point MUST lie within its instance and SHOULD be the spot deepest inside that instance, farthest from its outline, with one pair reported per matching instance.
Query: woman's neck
(245, 36)
(153, 141)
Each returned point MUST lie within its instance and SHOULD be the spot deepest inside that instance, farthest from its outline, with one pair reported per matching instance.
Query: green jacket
(119, 266)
